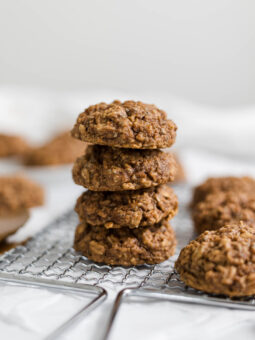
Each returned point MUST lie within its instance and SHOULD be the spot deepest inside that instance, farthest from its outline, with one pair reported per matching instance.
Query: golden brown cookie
(125, 246)
(224, 208)
(112, 169)
(18, 193)
(217, 184)
(220, 261)
(125, 125)
(12, 145)
(62, 149)
(130, 209)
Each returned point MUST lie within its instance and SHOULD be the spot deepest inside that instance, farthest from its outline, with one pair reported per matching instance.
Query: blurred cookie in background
(11, 145)
(215, 185)
(180, 176)
(62, 149)
(222, 208)
(223, 200)
(17, 195)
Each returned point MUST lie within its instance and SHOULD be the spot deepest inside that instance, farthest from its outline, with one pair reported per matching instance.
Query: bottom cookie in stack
(125, 246)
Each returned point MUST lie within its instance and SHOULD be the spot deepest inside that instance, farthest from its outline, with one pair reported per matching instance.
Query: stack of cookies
(124, 214)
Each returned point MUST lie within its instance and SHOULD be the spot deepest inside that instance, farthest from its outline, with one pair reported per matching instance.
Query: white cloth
(206, 140)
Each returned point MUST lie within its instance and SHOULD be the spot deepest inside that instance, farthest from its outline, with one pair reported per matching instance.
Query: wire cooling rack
(49, 255)
(48, 259)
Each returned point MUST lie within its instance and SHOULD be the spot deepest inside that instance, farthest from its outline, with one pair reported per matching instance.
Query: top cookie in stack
(129, 124)
(119, 225)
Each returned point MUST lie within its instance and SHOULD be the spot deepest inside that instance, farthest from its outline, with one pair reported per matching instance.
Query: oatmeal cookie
(216, 184)
(18, 193)
(112, 169)
(62, 149)
(220, 261)
(125, 246)
(224, 208)
(125, 125)
(130, 209)
(12, 145)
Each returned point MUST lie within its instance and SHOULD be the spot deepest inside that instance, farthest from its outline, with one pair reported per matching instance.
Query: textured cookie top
(221, 261)
(224, 208)
(112, 169)
(12, 145)
(18, 193)
(125, 125)
(62, 149)
(130, 209)
(216, 184)
(125, 246)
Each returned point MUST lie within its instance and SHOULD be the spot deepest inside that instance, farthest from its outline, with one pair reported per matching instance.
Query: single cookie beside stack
(220, 261)
(124, 214)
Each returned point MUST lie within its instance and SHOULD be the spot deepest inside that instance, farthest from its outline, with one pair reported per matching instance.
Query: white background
(199, 50)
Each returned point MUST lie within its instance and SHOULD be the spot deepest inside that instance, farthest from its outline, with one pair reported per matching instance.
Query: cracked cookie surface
(130, 209)
(220, 261)
(125, 246)
(104, 168)
(125, 125)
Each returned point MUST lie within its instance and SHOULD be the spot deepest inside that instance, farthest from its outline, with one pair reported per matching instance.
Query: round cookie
(125, 246)
(62, 149)
(112, 169)
(216, 184)
(12, 145)
(125, 125)
(220, 261)
(224, 208)
(19, 193)
(130, 209)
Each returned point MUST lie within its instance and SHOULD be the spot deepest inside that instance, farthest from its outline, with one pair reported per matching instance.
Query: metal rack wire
(49, 258)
